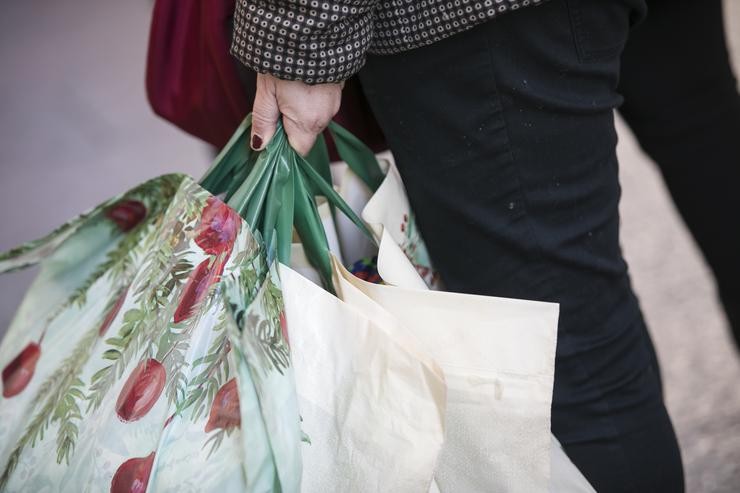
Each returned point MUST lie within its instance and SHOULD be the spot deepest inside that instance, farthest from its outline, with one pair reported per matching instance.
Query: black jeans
(505, 138)
(681, 100)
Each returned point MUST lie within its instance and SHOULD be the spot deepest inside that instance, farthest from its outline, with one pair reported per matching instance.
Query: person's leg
(681, 100)
(504, 136)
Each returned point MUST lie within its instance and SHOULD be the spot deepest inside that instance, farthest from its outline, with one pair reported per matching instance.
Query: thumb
(265, 113)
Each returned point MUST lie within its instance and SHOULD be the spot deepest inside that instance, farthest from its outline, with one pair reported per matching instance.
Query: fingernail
(256, 142)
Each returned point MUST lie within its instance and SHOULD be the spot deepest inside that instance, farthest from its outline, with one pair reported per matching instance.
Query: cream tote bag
(372, 409)
(497, 355)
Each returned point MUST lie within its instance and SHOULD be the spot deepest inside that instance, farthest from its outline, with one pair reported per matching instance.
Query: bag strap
(232, 164)
(278, 195)
(236, 159)
(359, 157)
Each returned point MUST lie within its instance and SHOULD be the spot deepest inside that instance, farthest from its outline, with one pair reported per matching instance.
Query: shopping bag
(154, 348)
(191, 79)
(498, 360)
(127, 363)
(372, 411)
(155, 329)
(371, 187)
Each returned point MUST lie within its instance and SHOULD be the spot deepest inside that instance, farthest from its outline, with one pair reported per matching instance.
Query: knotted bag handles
(236, 159)
(274, 190)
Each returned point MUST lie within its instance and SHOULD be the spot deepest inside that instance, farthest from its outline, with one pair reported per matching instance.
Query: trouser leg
(681, 100)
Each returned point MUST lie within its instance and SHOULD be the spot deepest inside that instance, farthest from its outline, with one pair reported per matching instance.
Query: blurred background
(75, 129)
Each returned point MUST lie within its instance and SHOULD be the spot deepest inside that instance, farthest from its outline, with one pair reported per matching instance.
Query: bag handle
(359, 157)
(279, 193)
(236, 159)
(232, 164)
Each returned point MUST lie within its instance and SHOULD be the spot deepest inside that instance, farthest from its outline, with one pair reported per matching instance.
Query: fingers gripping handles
(274, 190)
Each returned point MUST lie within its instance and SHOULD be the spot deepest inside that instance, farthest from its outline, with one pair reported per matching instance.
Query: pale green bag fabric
(153, 332)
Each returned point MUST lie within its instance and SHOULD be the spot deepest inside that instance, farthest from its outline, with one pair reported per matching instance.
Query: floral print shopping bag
(146, 352)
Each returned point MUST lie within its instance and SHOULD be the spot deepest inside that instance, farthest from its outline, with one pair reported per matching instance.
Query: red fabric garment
(192, 80)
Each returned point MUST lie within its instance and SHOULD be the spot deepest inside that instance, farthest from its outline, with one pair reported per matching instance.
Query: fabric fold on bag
(372, 410)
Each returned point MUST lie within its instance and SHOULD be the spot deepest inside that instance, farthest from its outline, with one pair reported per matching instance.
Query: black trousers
(505, 138)
(681, 100)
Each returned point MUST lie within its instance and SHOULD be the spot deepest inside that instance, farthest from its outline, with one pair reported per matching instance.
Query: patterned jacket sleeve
(314, 41)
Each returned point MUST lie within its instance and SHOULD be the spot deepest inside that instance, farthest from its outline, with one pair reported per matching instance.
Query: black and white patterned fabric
(321, 41)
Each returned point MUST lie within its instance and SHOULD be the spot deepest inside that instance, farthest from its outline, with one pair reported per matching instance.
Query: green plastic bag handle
(230, 166)
(319, 159)
(311, 231)
(359, 157)
(236, 159)
(278, 194)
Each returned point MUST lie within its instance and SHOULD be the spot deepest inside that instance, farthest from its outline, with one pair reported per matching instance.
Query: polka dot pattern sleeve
(314, 41)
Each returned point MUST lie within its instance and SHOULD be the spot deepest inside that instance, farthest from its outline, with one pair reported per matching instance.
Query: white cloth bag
(372, 409)
(498, 360)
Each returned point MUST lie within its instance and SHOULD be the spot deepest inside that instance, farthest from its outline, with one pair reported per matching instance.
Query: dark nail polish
(256, 142)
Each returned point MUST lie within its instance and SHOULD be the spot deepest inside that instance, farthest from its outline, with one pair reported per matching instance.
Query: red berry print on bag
(405, 222)
(133, 475)
(18, 373)
(207, 273)
(284, 328)
(126, 214)
(225, 413)
(112, 313)
(218, 227)
(141, 391)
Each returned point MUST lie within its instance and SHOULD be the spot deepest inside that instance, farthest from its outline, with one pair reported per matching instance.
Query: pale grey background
(75, 129)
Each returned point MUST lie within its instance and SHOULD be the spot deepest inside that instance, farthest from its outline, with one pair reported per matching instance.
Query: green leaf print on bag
(18, 373)
(59, 398)
(262, 325)
(163, 271)
(211, 371)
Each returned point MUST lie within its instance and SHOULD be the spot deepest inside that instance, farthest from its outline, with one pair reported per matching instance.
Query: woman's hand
(306, 110)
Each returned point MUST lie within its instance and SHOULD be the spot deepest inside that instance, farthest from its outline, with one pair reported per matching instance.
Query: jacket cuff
(313, 41)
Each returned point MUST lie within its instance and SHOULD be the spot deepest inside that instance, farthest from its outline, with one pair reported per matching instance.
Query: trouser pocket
(600, 29)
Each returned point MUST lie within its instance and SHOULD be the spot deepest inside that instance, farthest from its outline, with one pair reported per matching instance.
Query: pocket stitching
(580, 38)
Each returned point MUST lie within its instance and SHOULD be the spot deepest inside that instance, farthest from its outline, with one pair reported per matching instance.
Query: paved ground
(75, 129)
